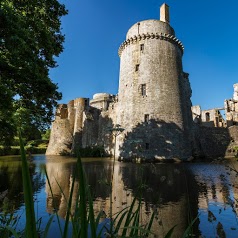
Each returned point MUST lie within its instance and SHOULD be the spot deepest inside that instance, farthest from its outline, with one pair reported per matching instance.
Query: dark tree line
(30, 39)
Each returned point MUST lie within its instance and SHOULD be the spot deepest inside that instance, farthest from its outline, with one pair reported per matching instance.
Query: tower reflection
(162, 188)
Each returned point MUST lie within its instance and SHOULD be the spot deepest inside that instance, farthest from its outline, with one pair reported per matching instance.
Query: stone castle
(152, 107)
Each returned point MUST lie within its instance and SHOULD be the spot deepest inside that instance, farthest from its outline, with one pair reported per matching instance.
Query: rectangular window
(142, 46)
(86, 102)
(147, 117)
(207, 115)
(143, 89)
(137, 67)
(147, 146)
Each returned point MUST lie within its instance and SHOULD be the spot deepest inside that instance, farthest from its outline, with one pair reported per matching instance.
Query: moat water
(176, 192)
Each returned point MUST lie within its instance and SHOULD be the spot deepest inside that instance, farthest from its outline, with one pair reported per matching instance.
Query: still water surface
(176, 192)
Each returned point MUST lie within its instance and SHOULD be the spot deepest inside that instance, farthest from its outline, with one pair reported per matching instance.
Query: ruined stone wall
(66, 131)
(186, 103)
(97, 123)
(90, 127)
(232, 149)
(60, 137)
(213, 142)
(231, 107)
(79, 125)
(80, 104)
(196, 113)
(61, 111)
(101, 101)
(71, 115)
(208, 117)
(235, 94)
(107, 120)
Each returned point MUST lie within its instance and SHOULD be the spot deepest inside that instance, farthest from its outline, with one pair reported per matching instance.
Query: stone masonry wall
(60, 137)
(213, 142)
(66, 130)
(186, 92)
(151, 84)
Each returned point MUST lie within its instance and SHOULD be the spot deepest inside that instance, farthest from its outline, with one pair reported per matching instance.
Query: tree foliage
(6, 112)
(30, 40)
(46, 135)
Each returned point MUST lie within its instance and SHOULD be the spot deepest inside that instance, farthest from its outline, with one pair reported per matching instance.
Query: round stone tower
(151, 94)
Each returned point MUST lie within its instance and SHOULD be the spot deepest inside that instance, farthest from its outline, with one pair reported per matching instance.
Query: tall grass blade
(98, 218)
(187, 232)
(136, 222)
(52, 195)
(83, 201)
(93, 226)
(69, 203)
(129, 217)
(103, 226)
(48, 226)
(76, 217)
(151, 221)
(28, 195)
(140, 229)
(13, 231)
(61, 190)
(119, 223)
(170, 232)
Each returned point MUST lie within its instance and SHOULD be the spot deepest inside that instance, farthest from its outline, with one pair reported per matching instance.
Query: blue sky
(94, 30)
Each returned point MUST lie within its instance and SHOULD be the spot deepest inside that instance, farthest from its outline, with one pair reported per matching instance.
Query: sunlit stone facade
(153, 106)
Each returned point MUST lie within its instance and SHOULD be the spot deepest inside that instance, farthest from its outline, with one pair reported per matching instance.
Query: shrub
(9, 150)
(37, 143)
(91, 151)
(15, 150)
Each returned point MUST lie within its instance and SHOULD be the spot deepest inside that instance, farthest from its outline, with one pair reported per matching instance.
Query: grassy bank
(33, 147)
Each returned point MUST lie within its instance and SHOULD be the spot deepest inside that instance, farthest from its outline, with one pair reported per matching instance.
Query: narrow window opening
(142, 46)
(147, 146)
(207, 116)
(137, 67)
(147, 117)
(143, 89)
(86, 102)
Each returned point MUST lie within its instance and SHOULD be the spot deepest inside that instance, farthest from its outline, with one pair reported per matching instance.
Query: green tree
(7, 126)
(23, 117)
(30, 40)
(46, 135)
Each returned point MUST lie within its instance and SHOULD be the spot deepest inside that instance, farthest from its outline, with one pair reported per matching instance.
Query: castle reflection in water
(178, 193)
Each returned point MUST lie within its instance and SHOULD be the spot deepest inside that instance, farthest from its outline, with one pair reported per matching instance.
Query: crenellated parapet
(157, 36)
(61, 111)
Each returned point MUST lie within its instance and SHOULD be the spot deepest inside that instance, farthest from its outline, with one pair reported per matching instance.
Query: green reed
(30, 229)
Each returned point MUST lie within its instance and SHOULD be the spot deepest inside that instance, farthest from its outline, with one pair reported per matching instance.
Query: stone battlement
(158, 36)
